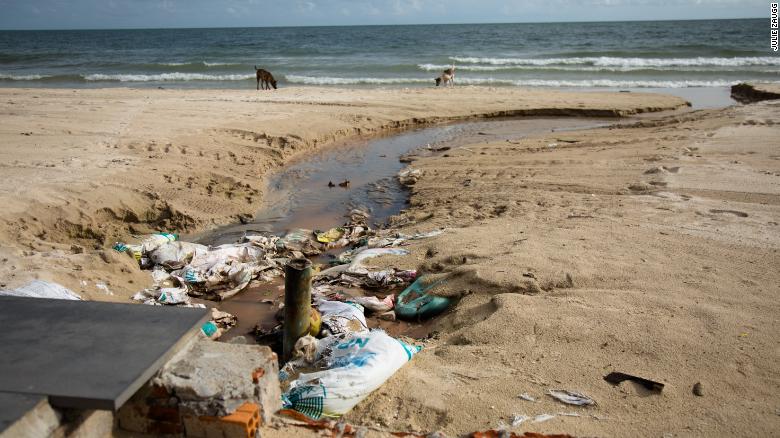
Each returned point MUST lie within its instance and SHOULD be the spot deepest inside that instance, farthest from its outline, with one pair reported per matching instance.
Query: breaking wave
(585, 83)
(162, 77)
(607, 61)
(316, 80)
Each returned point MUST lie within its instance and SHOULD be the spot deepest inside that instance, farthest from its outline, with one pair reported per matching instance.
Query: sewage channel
(299, 196)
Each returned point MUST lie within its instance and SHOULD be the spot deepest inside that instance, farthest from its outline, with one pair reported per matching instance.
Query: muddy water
(299, 195)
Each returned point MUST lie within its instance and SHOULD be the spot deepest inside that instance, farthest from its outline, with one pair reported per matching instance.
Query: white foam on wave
(324, 80)
(592, 68)
(442, 67)
(166, 77)
(204, 63)
(23, 77)
(607, 61)
(584, 83)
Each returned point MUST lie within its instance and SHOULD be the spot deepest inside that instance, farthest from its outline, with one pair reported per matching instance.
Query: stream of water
(299, 196)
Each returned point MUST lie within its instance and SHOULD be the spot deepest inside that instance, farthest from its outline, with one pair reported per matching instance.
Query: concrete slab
(86, 354)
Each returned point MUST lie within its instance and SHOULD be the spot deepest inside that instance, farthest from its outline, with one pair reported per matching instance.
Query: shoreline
(137, 160)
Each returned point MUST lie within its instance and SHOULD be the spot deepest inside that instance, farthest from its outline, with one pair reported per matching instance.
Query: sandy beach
(85, 168)
(649, 247)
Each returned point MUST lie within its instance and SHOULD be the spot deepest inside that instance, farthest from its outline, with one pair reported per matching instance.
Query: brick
(243, 423)
(151, 410)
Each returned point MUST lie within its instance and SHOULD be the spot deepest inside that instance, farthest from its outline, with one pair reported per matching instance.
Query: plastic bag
(374, 304)
(174, 255)
(341, 318)
(42, 289)
(415, 303)
(356, 265)
(149, 244)
(356, 365)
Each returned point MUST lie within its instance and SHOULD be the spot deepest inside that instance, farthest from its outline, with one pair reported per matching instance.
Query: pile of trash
(183, 269)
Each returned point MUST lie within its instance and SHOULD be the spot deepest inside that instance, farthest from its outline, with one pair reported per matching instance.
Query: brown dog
(266, 78)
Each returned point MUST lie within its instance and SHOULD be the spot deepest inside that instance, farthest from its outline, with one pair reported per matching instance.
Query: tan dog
(266, 78)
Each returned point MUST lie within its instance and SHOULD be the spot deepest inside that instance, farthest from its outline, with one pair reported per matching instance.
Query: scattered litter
(615, 378)
(41, 289)
(147, 245)
(225, 321)
(409, 177)
(570, 398)
(210, 330)
(517, 420)
(543, 417)
(174, 255)
(104, 287)
(374, 304)
(416, 303)
(355, 365)
(331, 235)
(569, 414)
(526, 397)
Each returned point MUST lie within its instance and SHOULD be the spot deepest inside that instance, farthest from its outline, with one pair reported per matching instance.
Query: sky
(110, 14)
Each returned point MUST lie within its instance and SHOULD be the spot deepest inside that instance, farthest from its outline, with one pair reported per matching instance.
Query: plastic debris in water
(570, 398)
(526, 397)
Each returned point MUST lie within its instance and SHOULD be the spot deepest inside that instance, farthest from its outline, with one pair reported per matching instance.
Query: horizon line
(368, 25)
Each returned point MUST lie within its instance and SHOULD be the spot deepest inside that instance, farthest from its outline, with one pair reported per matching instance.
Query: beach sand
(649, 248)
(84, 168)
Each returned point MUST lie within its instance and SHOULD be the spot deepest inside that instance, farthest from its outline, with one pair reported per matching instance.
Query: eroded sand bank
(649, 249)
(83, 168)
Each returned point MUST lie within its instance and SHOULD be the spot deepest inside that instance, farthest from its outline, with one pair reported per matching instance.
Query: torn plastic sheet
(570, 397)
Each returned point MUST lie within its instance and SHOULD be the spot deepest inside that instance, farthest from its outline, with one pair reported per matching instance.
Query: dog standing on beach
(447, 76)
(266, 78)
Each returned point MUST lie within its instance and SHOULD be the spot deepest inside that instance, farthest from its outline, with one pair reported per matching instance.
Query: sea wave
(201, 64)
(607, 61)
(162, 77)
(324, 80)
(585, 83)
(599, 69)
(23, 77)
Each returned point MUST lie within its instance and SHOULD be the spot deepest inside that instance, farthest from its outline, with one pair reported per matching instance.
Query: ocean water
(667, 54)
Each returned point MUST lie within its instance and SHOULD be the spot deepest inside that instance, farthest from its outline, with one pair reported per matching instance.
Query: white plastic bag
(42, 289)
(357, 365)
(176, 254)
(341, 318)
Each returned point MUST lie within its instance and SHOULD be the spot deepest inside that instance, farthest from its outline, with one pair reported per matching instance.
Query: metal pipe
(297, 303)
